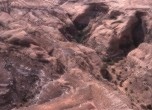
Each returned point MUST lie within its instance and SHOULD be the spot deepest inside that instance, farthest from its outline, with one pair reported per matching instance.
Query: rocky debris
(75, 55)
(132, 75)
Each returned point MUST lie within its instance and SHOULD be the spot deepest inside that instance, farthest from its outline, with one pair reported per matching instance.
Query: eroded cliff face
(75, 55)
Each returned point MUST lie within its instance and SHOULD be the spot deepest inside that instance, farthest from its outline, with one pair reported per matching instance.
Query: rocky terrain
(75, 55)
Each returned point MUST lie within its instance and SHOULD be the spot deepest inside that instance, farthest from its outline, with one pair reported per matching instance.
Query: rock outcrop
(75, 55)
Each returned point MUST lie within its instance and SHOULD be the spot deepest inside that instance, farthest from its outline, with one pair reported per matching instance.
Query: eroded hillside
(75, 55)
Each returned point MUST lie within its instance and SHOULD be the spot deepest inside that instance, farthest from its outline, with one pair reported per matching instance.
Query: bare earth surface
(75, 55)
